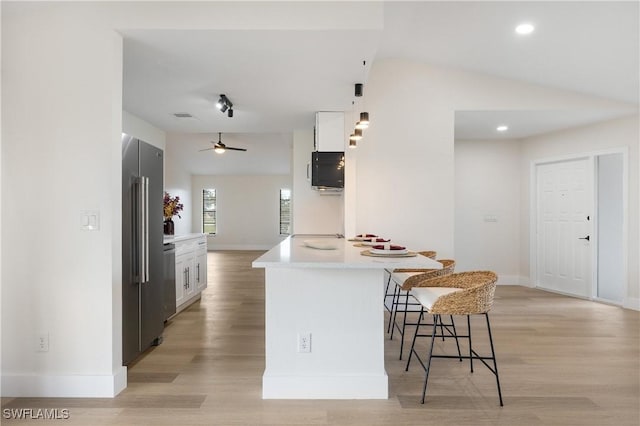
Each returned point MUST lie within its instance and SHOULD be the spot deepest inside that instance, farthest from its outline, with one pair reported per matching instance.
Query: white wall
(610, 228)
(177, 182)
(313, 213)
(139, 128)
(62, 109)
(405, 174)
(585, 140)
(248, 210)
(487, 188)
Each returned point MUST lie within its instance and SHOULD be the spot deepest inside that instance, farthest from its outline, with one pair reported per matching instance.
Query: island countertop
(293, 253)
(168, 239)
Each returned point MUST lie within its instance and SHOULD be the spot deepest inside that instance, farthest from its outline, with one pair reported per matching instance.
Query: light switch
(90, 220)
(490, 218)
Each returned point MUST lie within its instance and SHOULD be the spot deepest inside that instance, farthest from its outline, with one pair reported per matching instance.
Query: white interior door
(564, 217)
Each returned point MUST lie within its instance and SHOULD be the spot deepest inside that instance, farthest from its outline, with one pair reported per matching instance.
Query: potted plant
(172, 207)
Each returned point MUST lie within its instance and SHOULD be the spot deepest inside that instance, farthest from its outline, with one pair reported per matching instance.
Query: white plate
(378, 251)
(371, 243)
(320, 244)
(363, 238)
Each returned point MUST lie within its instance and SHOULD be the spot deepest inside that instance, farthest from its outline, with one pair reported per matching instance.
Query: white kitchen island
(336, 298)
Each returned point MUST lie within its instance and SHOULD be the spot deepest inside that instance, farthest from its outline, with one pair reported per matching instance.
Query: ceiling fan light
(219, 150)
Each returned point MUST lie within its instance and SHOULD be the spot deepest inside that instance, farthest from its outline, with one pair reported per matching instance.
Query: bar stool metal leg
(495, 363)
(404, 320)
(455, 333)
(470, 345)
(413, 342)
(394, 310)
(426, 370)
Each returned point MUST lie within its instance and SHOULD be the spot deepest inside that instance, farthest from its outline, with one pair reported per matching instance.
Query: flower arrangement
(172, 206)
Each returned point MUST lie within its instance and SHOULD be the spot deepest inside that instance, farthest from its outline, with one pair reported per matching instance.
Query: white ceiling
(278, 79)
(267, 153)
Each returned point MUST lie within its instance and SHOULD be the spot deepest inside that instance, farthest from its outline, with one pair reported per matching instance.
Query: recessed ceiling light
(502, 128)
(525, 28)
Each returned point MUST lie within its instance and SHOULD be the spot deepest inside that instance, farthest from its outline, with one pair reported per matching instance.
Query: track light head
(221, 102)
(225, 104)
(359, 90)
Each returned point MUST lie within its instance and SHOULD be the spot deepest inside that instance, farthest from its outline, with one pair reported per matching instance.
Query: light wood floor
(562, 361)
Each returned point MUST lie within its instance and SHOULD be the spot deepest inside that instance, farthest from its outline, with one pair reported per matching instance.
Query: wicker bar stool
(430, 254)
(464, 293)
(405, 280)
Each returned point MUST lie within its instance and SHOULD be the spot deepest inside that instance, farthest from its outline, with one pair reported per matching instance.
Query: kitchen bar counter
(293, 253)
(324, 320)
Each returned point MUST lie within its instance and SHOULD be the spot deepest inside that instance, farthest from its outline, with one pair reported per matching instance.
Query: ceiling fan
(220, 148)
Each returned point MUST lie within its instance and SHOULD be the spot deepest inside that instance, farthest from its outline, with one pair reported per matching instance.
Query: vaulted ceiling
(278, 79)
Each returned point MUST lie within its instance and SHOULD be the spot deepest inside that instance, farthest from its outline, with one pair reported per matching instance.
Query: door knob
(584, 238)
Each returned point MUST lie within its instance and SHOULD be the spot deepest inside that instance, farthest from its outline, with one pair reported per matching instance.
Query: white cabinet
(191, 269)
(329, 131)
(184, 278)
(200, 278)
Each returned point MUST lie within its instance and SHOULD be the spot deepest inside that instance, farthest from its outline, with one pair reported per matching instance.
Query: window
(285, 211)
(209, 211)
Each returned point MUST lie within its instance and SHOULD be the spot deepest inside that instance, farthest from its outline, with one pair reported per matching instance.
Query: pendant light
(353, 143)
(363, 123)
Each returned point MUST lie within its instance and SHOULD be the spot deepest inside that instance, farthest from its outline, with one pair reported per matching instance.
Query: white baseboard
(325, 387)
(504, 279)
(73, 386)
(213, 247)
(632, 303)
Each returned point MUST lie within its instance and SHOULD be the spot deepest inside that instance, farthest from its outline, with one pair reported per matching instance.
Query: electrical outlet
(42, 342)
(304, 343)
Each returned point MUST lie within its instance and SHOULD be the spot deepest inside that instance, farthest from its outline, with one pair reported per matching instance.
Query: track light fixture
(225, 104)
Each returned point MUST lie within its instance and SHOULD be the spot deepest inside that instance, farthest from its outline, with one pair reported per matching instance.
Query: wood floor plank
(562, 361)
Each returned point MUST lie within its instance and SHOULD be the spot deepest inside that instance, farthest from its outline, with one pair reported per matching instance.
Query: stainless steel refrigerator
(142, 251)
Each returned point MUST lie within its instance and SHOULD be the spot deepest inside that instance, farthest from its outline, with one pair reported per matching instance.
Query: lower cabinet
(191, 270)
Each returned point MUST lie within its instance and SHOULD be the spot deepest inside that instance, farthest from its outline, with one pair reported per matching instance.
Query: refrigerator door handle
(139, 232)
(146, 229)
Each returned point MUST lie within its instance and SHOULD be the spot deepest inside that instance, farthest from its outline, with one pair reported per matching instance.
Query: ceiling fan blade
(235, 149)
(207, 149)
